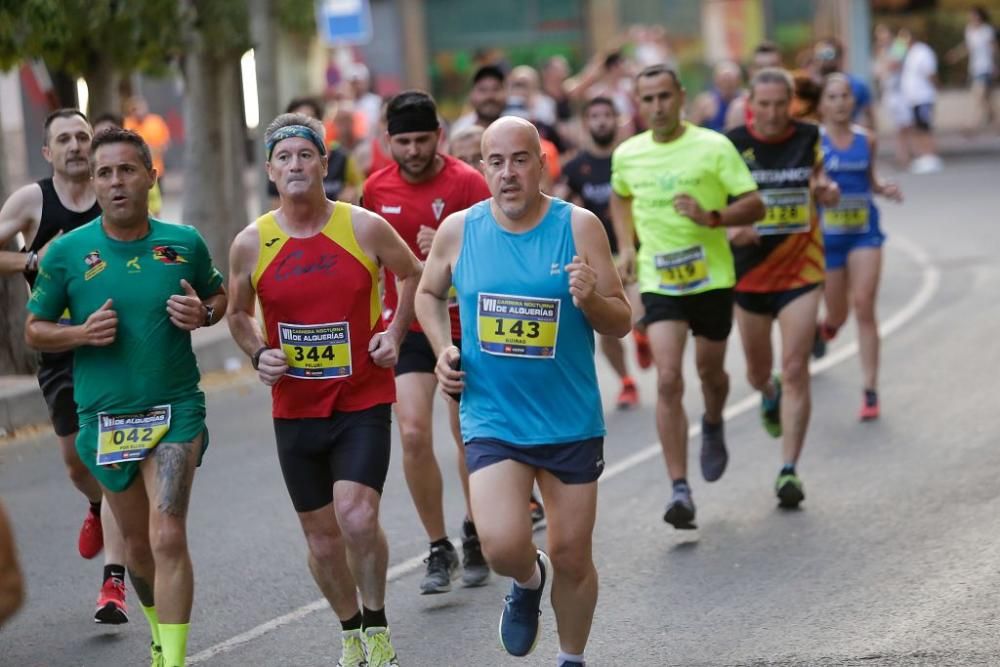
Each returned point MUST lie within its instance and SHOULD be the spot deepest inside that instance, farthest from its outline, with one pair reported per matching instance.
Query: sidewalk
(21, 403)
(952, 116)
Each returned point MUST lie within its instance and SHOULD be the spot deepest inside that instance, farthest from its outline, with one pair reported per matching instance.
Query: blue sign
(344, 21)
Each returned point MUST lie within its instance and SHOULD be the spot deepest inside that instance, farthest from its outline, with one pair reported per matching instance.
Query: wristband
(31, 264)
(255, 359)
(714, 218)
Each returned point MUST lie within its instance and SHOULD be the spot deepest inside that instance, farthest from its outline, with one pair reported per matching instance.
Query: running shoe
(770, 410)
(714, 456)
(155, 656)
(442, 569)
(680, 510)
(629, 395)
(352, 649)
(869, 408)
(91, 539)
(819, 343)
(519, 619)
(643, 352)
(475, 571)
(537, 511)
(789, 490)
(378, 648)
(111, 609)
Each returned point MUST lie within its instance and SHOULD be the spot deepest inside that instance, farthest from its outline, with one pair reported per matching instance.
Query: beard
(603, 139)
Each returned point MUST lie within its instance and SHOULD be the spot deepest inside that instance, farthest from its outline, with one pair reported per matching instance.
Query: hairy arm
(594, 282)
(19, 215)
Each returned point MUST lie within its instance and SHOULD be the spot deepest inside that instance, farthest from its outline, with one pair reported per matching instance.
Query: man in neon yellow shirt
(676, 186)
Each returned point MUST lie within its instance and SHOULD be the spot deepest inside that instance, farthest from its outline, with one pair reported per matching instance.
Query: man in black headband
(415, 193)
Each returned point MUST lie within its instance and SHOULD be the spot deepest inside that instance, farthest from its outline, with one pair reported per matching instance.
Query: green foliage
(296, 16)
(71, 34)
(224, 24)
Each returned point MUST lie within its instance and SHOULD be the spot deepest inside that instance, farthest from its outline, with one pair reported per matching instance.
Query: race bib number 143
(518, 326)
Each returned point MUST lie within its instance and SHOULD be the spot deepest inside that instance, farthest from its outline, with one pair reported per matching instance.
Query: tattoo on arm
(143, 589)
(172, 475)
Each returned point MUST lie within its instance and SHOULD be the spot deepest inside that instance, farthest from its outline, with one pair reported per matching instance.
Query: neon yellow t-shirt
(676, 256)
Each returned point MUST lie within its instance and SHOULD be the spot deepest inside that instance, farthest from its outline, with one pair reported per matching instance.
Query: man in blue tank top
(535, 280)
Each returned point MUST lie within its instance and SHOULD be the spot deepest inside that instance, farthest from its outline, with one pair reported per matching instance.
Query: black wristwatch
(209, 315)
(255, 359)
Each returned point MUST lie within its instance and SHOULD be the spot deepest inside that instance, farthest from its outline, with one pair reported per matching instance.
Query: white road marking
(930, 281)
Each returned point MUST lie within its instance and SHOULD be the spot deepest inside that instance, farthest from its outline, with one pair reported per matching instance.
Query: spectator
(889, 52)
(366, 102)
(710, 107)
(828, 57)
(488, 98)
(151, 127)
(980, 47)
(918, 83)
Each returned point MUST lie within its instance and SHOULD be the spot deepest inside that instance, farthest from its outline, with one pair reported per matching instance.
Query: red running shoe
(91, 536)
(643, 353)
(629, 395)
(869, 408)
(111, 609)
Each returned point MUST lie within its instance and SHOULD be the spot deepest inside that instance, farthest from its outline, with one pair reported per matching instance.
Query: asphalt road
(893, 559)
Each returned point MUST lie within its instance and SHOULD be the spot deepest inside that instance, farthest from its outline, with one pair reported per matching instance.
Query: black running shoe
(442, 569)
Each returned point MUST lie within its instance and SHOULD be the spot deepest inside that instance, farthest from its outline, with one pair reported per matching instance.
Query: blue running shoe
(519, 620)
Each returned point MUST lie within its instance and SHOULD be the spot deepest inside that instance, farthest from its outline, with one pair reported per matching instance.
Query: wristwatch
(209, 315)
(255, 359)
(714, 218)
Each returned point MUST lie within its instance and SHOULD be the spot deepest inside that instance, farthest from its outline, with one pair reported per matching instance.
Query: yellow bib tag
(683, 271)
(518, 326)
(65, 319)
(788, 211)
(316, 351)
(850, 216)
(452, 297)
(130, 437)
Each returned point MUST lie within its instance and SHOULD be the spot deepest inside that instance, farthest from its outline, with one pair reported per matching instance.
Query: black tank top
(57, 218)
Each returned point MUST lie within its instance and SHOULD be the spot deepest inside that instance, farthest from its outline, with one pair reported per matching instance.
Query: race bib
(518, 326)
(683, 271)
(130, 437)
(65, 319)
(788, 211)
(316, 351)
(452, 297)
(850, 216)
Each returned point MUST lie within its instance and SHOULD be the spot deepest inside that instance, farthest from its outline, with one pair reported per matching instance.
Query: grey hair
(287, 119)
(773, 75)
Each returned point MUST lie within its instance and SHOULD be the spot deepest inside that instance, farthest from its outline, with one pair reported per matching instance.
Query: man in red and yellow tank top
(415, 194)
(313, 264)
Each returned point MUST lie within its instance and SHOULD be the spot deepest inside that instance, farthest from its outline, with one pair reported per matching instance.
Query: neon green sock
(154, 623)
(175, 637)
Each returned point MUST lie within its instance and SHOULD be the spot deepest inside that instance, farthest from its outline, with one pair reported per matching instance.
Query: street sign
(344, 21)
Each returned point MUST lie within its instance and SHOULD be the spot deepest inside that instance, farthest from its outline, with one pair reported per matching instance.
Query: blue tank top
(856, 213)
(718, 121)
(527, 351)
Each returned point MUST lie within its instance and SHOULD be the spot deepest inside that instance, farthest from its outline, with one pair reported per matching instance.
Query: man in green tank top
(136, 287)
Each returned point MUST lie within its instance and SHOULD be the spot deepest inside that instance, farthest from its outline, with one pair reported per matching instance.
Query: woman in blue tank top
(851, 233)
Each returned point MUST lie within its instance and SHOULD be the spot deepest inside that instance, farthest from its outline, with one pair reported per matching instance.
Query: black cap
(489, 72)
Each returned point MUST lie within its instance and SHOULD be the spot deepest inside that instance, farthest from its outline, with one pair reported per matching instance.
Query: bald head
(727, 77)
(514, 162)
(511, 130)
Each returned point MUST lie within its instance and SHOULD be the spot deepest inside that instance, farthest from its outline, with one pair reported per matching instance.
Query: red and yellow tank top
(319, 297)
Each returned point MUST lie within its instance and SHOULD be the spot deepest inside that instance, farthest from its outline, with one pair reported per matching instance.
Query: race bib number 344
(130, 437)
(316, 351)
(788, 211)
(518, 326)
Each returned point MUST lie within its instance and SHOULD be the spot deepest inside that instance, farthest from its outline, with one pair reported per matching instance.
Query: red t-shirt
(408, 206)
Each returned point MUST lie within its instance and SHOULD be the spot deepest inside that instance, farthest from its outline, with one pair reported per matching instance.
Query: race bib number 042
(518, 326)
(130, 437)
(850, 216)
(788, 211)
(683, 271)
(316, 351)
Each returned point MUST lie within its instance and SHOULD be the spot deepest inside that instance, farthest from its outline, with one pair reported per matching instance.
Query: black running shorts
(416, 354)
(771, 303)
(55, 378)
(316, 452)
(709, 314)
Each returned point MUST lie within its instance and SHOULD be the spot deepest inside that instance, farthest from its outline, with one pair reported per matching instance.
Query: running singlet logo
(130, 437)
(683, 271)
(94, 264)
(168, 255)
(788, 211)
(850, 216)
(316, 351)
(518, 326)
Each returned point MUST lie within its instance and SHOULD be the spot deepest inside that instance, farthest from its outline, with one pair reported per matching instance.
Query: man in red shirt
(420, 189)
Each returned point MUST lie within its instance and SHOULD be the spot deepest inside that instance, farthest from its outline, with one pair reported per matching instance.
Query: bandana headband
(289, 131)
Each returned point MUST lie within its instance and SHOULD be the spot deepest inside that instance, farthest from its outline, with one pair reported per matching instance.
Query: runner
(487, 97)
(671, 187)
(587, 183)
(40, 212)
(11, 577)
(135, 288)
(766, 54)
(467, 146)
(779, 264)
(415, 194)
(852, 236)
(531, 408)
(314, 264)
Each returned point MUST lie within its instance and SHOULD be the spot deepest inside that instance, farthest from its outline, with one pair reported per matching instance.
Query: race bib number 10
(788, 211)
(130, 437)
(316, 351)
(518, 326)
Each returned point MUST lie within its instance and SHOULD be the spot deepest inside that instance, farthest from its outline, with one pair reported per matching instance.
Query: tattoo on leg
(143, 589)
(172, 474)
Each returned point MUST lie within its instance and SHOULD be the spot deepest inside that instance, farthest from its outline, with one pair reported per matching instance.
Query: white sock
(534, 582)
(563, 658)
